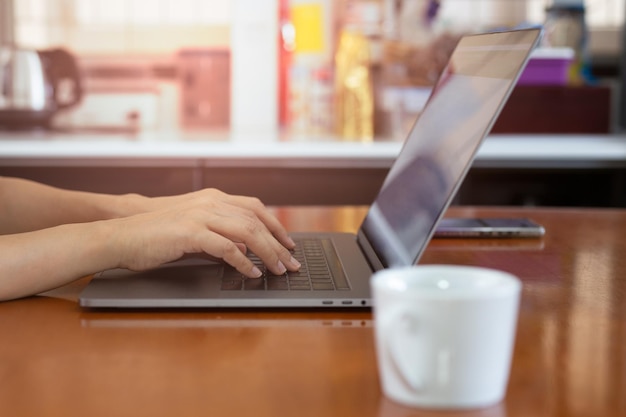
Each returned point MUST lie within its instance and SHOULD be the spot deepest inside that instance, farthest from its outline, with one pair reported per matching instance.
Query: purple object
(547, 66)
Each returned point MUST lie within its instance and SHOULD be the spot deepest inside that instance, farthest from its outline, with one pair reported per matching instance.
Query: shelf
(588, 170)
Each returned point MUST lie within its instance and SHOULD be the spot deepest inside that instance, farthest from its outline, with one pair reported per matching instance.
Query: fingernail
(280, 267)
(256, 272)
(293, 261)
(291, 242)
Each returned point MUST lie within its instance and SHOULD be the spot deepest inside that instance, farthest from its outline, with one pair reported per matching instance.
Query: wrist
(131, 204)
(108, 248)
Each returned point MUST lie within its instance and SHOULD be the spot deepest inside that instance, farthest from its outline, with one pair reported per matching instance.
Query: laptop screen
(439, 149)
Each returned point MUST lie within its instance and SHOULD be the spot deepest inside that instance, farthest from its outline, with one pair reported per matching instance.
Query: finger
(242, 247)
(269, 220)
(230, 252)
(241, 224)
(249, 230)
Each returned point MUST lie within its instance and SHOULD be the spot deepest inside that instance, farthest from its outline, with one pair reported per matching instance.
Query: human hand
(204, 222)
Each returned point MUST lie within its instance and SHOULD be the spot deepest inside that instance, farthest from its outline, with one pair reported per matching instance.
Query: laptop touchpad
(189, 279)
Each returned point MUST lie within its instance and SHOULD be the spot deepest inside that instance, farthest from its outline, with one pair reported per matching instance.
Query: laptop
(434, 159)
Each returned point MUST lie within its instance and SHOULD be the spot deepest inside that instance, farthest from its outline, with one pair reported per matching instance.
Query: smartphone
(488, 227)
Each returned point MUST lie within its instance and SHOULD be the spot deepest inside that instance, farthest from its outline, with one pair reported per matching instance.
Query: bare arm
(37, 261)
(205, 222)
(27, 206)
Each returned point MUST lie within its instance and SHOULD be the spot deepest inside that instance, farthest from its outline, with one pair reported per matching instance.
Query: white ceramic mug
(445, 334)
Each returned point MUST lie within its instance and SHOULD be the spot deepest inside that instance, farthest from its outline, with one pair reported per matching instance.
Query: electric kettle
(34, 85)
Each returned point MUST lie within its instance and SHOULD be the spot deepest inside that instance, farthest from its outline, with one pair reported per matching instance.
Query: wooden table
(570, 355)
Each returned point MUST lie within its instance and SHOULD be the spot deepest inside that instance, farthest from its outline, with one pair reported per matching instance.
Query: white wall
(131, 26)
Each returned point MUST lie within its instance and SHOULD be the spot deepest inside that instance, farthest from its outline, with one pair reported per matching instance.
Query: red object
(284, 62)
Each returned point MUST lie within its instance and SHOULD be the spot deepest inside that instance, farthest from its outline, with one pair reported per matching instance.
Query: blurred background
(92, 91)
(294, 65)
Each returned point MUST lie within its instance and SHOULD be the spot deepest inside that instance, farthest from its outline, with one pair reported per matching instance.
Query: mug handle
(401, 322)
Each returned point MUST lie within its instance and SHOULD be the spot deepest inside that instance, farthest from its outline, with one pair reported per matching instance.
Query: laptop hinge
(369, 252)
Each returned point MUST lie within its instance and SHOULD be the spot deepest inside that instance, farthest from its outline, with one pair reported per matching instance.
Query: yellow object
(354, 90)
(307, 20)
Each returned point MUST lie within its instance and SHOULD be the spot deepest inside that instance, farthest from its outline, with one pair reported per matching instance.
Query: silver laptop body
(418, 189)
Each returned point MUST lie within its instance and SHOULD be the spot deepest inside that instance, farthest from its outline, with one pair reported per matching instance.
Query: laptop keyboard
(320, 271)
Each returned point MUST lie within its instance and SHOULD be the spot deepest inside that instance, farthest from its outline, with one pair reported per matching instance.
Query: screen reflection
(442, 143)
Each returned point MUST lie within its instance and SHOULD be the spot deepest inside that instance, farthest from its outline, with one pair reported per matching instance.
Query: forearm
(207, 222)
(38, 261)
(27, 206)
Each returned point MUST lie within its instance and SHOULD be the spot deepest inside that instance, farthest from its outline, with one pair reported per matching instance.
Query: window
(602, 14)
(605, 18)
(122, 26)
(151, 26)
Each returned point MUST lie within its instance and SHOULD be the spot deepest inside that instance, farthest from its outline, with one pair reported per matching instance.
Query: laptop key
(232, 285)
(341, 281)
(323, 286)
(299, 287)
(298, 279)
(254, 284)
(277, 285)
(321, 270)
